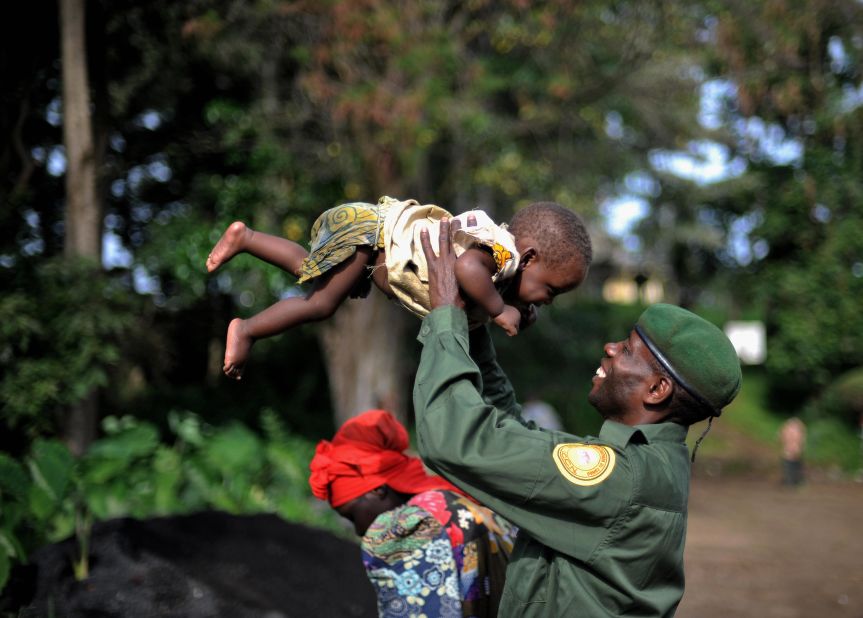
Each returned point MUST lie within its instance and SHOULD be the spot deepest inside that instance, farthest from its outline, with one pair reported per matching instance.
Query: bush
(132, 472)
(34, 503)
(829, 443)
(61, 328)
(833, 418)
(843, 399)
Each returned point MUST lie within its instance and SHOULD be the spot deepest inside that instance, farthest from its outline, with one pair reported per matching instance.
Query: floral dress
(440, 554)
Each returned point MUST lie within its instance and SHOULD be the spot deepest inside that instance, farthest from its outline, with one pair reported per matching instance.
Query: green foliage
(50, 466)
(808, 282)
(34, 502)
(849, 391)
(14, 491)
(834, 418)
(793, 66)
(751, 411)
(61, 330)
(131, 472)
(829, 443)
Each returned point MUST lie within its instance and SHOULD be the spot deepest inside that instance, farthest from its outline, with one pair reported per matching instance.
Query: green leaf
(42, 503)
(98, 470)
(137, 441)
(234, 449)
(13, 478)
(4, 569)
(51, 467)
(187, 426)
(12, 545)
(167, 473)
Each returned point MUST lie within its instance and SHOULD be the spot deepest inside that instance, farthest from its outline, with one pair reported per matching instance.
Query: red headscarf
(365, 453)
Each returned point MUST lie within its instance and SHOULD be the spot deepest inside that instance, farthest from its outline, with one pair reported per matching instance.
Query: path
(756, 549)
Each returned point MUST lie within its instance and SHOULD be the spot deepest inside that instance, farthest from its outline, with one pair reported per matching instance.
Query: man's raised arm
(477, 442)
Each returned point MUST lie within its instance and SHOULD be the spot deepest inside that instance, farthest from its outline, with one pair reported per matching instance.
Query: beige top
(405, 260)
(793, 438)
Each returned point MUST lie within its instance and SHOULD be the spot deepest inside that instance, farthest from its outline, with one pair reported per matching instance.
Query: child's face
(539, 284)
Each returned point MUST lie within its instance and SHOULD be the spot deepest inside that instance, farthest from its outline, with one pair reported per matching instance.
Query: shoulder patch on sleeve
(584, 464)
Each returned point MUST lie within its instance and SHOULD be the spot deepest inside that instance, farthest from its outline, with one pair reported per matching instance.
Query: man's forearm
(496, 387)
(462, 434)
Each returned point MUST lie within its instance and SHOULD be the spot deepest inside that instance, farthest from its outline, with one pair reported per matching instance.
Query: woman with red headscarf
(428, 549)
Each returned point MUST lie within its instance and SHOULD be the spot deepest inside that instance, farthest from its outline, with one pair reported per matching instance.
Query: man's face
(623, 377)
(539, 284)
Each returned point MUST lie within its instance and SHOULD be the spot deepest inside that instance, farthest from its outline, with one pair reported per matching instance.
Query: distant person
(428, 549)
(792, 436)
(541, 413)
(602, 519)
(503, 270)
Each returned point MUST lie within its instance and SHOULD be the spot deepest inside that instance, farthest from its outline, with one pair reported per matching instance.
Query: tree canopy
(270, 112)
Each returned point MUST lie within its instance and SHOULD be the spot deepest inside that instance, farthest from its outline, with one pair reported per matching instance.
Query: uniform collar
(620, 435)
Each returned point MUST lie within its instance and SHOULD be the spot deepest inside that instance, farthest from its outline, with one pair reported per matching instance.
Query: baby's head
(555, 252)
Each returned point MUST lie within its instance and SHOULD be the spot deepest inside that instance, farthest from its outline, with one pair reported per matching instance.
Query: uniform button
(425, 330)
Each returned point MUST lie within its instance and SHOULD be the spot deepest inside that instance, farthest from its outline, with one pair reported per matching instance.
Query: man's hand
(443, 286)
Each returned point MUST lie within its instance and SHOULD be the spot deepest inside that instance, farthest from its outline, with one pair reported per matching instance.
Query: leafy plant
(34, 505)
(131, 471)
(60, 332)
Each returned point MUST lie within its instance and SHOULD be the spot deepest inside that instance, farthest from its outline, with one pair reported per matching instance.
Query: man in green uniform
(602, 519)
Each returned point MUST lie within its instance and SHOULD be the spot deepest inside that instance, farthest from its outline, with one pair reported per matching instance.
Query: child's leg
(325, 297)
(239, 238)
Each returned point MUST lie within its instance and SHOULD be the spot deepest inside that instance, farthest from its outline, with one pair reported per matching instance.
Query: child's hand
(509, 320)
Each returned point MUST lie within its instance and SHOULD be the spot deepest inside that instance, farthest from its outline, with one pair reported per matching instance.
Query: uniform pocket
(527, 575)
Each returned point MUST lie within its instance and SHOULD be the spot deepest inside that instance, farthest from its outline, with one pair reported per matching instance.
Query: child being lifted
(502, 270)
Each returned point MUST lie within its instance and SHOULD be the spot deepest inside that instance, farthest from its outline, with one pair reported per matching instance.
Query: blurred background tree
(793, 113)
(713, 148)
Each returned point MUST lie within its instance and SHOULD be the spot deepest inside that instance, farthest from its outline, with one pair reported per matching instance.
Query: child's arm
(473, 270)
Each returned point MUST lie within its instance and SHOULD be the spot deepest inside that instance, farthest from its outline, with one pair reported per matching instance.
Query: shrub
(132, 472)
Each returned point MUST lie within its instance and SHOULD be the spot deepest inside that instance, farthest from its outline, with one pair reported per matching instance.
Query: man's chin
(596, 401)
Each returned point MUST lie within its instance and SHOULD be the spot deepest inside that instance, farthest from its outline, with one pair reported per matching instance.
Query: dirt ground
(755, 548)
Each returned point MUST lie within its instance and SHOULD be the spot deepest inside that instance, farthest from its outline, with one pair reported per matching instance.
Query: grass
(749, 412)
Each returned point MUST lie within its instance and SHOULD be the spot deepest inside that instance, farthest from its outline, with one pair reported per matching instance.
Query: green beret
(695, 352)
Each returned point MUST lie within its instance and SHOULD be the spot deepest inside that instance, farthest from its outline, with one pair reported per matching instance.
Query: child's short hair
(558, 232)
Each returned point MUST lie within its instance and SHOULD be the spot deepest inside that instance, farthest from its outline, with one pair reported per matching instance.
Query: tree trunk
(83, 237)
(83, 225)
(363, 346)
(363, 343)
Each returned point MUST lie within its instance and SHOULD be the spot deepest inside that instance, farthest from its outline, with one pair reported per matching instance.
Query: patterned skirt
(338, 232)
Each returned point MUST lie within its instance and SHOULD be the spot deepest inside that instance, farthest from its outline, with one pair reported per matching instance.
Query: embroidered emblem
(501, 255)
(584, 464)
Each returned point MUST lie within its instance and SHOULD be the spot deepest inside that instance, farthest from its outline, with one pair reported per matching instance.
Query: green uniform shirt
(602, 520)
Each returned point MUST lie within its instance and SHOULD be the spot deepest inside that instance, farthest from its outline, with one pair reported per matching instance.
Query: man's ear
(660, 390)
(528, 257)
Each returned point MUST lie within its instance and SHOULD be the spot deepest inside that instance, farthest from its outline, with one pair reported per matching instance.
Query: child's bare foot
(230, 244)
(237, 348)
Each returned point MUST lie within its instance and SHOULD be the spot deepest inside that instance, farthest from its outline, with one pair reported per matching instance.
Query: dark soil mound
(208, 565)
